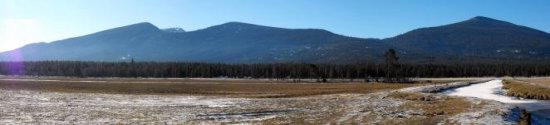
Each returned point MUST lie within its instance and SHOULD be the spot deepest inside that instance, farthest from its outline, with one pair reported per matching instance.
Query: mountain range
(479, 39)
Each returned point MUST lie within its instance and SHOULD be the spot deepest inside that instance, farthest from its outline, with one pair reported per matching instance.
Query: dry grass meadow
(236, 88)
(534, 88)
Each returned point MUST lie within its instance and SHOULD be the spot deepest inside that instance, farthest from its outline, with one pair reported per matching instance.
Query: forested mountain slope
(479, 39)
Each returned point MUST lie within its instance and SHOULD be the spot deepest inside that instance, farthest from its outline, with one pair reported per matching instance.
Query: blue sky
(27, 21)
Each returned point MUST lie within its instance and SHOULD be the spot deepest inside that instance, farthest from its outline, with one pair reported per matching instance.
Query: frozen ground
(492, 90)
(40, 107)
(31, 107)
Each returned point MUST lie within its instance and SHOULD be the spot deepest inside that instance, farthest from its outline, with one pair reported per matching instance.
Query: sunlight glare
(17, 32)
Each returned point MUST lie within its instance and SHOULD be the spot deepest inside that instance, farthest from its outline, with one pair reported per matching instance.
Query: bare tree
(391, 66)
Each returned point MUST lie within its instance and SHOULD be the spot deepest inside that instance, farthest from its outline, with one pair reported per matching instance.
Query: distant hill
(477, 39)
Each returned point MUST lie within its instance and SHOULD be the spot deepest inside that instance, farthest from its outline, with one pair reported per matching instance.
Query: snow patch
(492, 90)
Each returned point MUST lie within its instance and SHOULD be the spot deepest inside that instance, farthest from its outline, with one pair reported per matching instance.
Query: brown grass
(432, 105)
(526, 90)
(412, 96)
(246, 88)
(544, 81)
(435, 110)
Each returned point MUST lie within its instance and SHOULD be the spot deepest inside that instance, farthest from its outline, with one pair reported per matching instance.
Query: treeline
(279, 71)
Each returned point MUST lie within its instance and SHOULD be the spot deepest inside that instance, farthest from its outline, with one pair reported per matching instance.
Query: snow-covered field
(31, 107)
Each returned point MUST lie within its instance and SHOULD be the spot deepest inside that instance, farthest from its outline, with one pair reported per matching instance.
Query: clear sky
(28, 21)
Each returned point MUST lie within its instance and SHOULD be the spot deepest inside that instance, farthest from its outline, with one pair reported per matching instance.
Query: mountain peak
(174, 30)
(483, 18)
(142, 26)
(237, 23)
(486, 21)
(237, 27)
(241, 25)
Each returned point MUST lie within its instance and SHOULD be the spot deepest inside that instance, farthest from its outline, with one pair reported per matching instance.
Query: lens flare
(15, 66)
